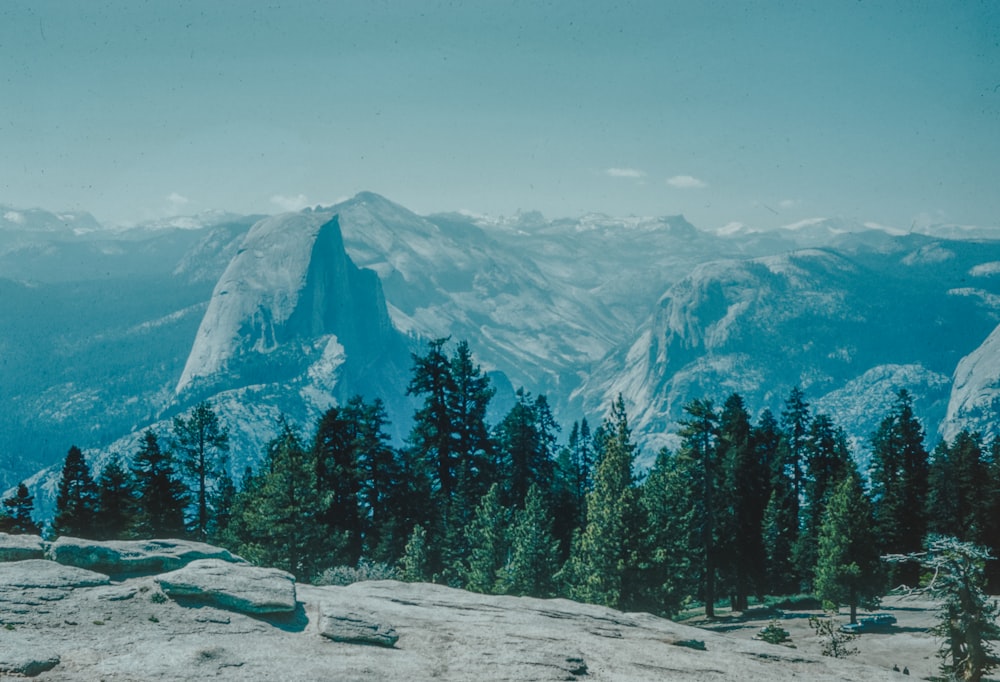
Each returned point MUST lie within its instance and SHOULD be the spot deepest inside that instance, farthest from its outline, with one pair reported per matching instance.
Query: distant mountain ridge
(118, 330)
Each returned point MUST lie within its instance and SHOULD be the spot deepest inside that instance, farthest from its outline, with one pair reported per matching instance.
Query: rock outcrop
(243, 588)
(133, 557)
(43, 574)
(354, 627)
(232, 621)
(21, 547)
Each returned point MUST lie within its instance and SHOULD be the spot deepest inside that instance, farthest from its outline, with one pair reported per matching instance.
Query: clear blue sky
(758, 112)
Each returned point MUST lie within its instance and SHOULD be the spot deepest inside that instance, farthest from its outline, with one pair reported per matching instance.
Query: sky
(763, 113)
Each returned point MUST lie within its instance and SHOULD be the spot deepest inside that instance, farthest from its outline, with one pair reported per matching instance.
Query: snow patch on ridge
(985, 269)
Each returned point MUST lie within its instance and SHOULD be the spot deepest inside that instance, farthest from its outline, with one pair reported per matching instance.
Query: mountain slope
(847, 325)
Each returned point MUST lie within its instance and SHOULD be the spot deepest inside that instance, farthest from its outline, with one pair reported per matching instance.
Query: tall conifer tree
(848, 569)
(116, 502)
(200, 445)
(76, 500)
(779, 526)
(827, 461)
(161, 497)
(746, 482)
(699, 431)
(899, 486)
(534, 552)
(16, 513)
(280, 517)
(604, 557)
(671, 565)
(488, 544)
(338, 479)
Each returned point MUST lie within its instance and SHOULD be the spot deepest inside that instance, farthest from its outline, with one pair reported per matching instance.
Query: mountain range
(110, 331)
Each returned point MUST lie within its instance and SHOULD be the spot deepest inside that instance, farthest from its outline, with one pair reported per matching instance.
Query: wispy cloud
(177, 201)
(788, 203)
(686, 182)
(625, 173)
(293, 203)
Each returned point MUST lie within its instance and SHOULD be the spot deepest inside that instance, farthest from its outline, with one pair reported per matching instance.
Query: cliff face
(851, 327)
(288, 296)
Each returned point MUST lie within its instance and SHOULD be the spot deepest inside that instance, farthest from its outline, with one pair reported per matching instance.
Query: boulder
(25, 660)
(341, 625)
(39, 573)
(237, 587)
(134, 557)
(21, 547)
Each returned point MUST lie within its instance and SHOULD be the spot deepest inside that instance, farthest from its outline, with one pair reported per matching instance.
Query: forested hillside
(744, 507)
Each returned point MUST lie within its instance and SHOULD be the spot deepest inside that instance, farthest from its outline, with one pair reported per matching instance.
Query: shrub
(366, 570)
(835, 643)
(773, 633)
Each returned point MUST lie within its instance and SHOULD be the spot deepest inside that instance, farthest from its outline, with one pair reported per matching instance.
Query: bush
(366, 570)
(834, 642)
(773, 633)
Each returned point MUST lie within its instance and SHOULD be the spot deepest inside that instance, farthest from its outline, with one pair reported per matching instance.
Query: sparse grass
(158, 598)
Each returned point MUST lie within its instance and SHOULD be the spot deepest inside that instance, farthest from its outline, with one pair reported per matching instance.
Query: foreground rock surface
(354, 627)
(243, 588)
(233, 621)
(24, 661)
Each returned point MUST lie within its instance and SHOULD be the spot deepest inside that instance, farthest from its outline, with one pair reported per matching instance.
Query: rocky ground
(907, 644)
(172, 610)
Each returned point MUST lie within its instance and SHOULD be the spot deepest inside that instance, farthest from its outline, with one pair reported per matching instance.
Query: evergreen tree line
(739, 509)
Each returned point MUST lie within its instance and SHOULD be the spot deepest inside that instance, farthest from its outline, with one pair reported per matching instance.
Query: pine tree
(746, 479)
(779, 526)
(76, 500)
(848, 569)
(488, 544)
(432, 436)
(671, 559)
(474, 445)
(338, 479)
(450, 438)
(899, 486)
(116, 503)
(967, 623)
(957, 504)
(161, 496)
(581, 447)
(200, 444)
(604, 558)
(827, 461)
(414, 567)
(699, 455)
(222, 502)
(524, 448)
(385, 490)
(280, 522)
(573, 474)
(534, 552)
(15, 516)
(795, 425)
